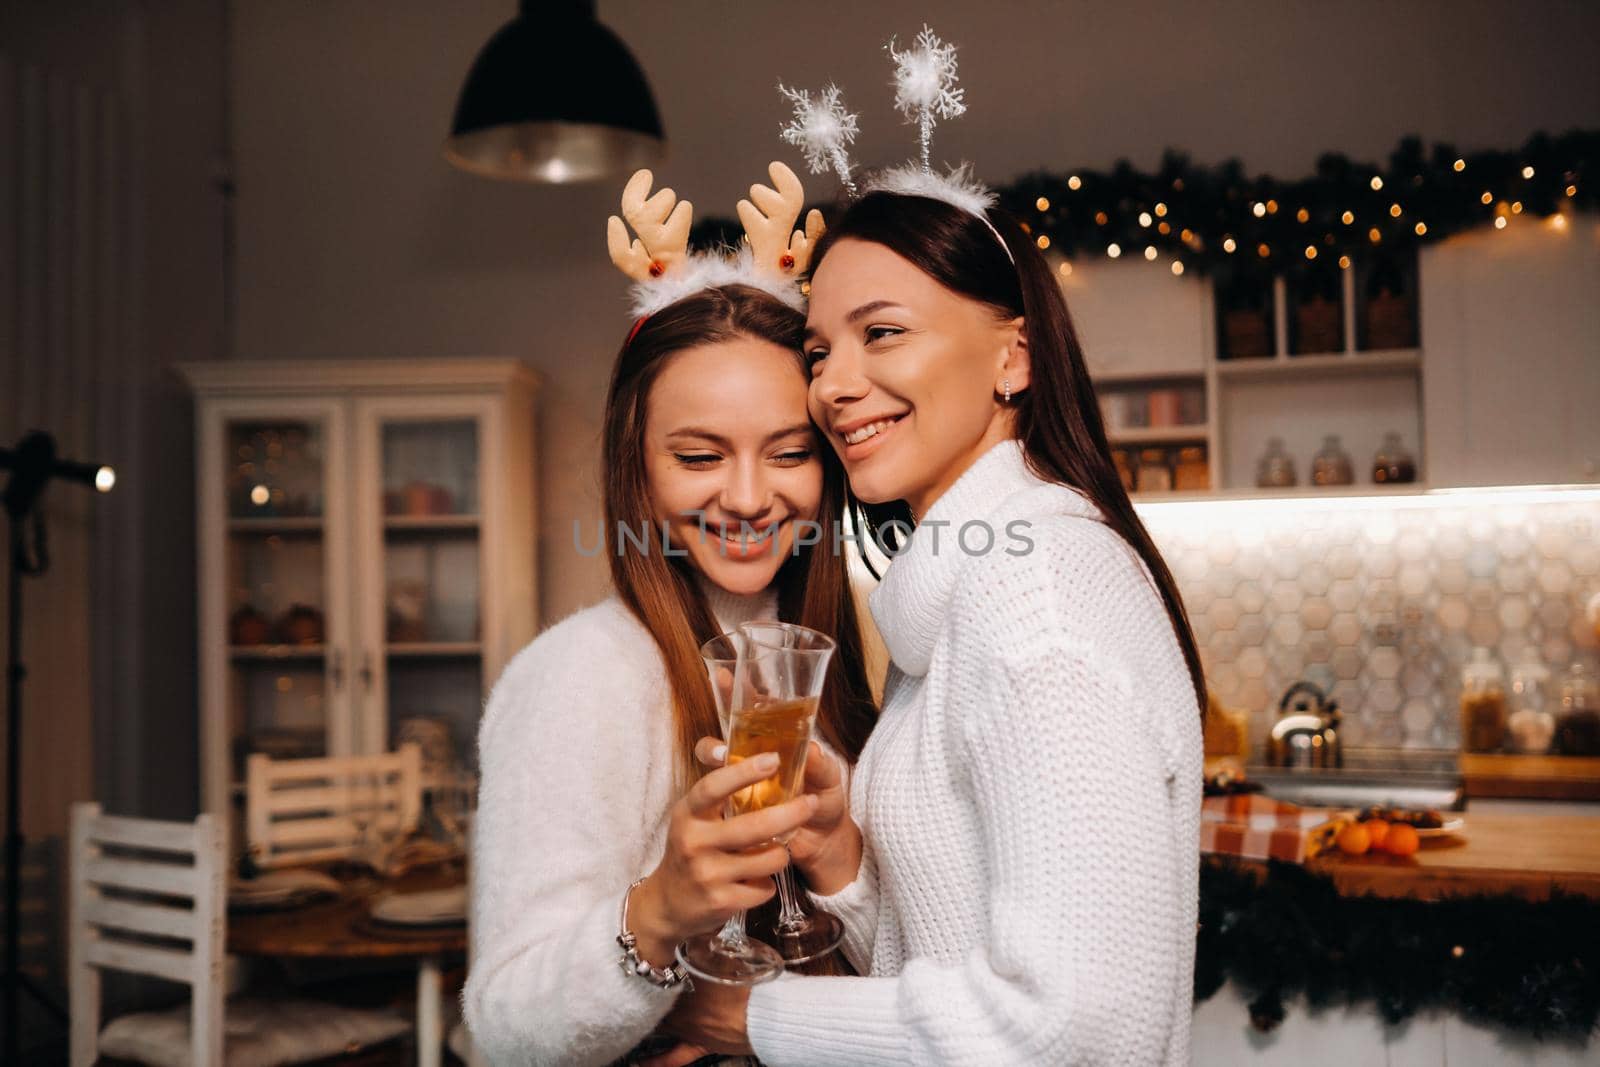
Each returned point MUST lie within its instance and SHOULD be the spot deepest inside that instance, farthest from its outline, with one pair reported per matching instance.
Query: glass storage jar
(1191, 473)
(1332, 466)
(1483, 703)
(1531, 725)
(1154, 474)
(1276, 469)
(1578, 720)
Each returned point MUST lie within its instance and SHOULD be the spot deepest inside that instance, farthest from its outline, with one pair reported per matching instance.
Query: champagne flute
(801, 937)
(361, 790)
(731, 956)
(768, 681)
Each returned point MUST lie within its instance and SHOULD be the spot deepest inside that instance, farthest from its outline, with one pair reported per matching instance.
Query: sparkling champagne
(781, 726)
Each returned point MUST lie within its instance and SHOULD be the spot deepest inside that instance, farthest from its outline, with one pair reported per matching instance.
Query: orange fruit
(1402, 839)
(1354, 839)
(1378, 830)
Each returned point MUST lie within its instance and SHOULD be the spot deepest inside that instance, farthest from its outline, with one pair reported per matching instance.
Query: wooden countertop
(1525, 854)
(1531, 777)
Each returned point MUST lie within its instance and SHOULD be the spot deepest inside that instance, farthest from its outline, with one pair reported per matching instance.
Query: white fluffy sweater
(1030, 801)
(576, 769)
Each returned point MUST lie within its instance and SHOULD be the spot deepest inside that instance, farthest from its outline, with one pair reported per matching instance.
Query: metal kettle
(1307, 731)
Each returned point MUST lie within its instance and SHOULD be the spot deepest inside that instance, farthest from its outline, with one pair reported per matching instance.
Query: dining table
(342, 928)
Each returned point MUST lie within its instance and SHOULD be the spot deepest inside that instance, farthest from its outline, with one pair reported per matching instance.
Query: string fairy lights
(1203, 218)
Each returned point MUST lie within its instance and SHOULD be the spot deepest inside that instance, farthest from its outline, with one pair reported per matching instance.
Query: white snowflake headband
(924, 90)
(663, 269)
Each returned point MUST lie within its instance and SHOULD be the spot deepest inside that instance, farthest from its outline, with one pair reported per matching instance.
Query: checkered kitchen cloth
(1258, 827)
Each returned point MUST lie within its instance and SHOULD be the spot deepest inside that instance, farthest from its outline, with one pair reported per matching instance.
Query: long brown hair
(1058, 418)
(813, 589)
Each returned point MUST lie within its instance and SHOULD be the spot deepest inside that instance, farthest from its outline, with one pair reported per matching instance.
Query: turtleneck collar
(911, 602)
(730, 609)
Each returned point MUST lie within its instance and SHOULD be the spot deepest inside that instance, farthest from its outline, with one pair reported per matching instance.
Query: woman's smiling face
(731, 459)
(905, 373)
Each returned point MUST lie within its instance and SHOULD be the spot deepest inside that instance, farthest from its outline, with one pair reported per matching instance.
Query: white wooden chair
(305, 811)
(150, 898)
(128, 912)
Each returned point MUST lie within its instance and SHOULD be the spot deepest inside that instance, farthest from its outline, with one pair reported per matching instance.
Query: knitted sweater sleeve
(559, 835)
(1071, 791)
(856, 908)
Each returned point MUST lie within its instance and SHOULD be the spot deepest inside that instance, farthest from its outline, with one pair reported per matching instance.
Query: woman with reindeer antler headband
(1018, 876)
(591, 802)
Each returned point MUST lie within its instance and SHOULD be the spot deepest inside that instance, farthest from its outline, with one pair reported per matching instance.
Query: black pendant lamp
(555, 97)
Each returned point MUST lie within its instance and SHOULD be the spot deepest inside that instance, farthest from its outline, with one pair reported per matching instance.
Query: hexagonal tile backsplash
(1381, 603)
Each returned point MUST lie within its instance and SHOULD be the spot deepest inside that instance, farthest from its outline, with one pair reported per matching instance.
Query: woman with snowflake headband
(592, 805)
(1018, 878)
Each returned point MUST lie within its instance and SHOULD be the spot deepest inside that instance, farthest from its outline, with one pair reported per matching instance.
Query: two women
(1017, 871)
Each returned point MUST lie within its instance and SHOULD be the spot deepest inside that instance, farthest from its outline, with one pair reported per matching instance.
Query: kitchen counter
(1531, 777)
(1525, 854)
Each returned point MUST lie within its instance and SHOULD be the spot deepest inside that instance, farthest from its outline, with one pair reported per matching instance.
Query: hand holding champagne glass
(786, 726)
(770, 701)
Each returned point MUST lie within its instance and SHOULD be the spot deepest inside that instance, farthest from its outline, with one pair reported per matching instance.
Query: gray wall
(112, 142)
(355, 239)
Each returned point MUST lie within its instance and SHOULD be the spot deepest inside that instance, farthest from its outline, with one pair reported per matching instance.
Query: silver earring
(1005, 385)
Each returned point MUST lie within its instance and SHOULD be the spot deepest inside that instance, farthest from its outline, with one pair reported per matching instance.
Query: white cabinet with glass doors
(366, 554)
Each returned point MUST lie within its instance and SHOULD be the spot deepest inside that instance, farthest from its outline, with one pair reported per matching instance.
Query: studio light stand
(33, 464)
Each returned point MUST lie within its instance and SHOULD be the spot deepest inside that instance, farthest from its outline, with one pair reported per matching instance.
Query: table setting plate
(425, 909)
(276, 890)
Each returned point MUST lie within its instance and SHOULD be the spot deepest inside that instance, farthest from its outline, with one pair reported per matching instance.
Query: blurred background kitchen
(1335, 268)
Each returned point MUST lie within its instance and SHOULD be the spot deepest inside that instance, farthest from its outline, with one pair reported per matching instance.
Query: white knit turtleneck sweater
(575, 758)
(1030, 801)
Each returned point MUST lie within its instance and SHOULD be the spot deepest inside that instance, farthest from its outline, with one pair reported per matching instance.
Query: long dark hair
(813, 588)
(1057, 416)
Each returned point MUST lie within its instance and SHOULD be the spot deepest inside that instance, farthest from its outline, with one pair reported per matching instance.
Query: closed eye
(698, 460)
(792, 457)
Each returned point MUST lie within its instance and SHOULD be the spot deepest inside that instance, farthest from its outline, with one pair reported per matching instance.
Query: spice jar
(1276, 469)
(1483, 703)
(1119, 459)
(1578, 720)
(1154, 474)
(1191, 473)
(1332, 466)
(1393, 464)
(1163, 407)
(1531, 724)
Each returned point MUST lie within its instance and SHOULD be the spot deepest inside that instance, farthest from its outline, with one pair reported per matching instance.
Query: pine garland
(1532, 967)
(1206, 219)
(1272, 223)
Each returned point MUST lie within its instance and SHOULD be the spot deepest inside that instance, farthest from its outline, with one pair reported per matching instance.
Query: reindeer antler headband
(665, 271)
(925, 91)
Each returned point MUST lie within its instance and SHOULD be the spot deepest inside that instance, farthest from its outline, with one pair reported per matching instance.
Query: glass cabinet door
(421, 566)
(282, 651)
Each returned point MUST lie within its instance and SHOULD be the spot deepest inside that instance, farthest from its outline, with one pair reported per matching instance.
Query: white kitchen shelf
(1150, 338)
(1160, 435)
(1299, 492)
(1310, 368)
(1141, 377)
